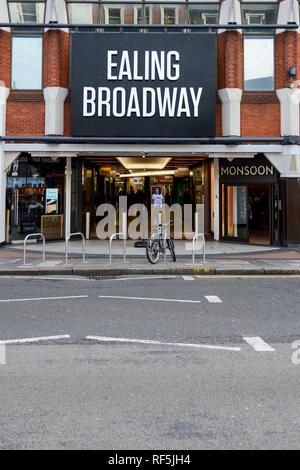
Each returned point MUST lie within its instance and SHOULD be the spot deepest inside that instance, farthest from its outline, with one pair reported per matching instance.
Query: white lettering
(158, 65)
(122, 93)
(196, 100)
(111, 65)
(133, 103)
(125, 70)
(165, 102)
(175, 67)
(136, 75)
(104, 102)
(183, 103)
(151, 111)
(89, 106)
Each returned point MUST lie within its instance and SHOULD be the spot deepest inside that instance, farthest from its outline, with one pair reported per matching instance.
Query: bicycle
(158, 242)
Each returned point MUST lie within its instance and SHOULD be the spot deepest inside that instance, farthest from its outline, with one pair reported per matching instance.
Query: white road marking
(148, 298)
(50, 263)
(106, 339)
(214, 299)
(34, 340)
(258, 344)
(40, 278)
(16, 260)
(45, 298)
(188, 278)
(137, 278)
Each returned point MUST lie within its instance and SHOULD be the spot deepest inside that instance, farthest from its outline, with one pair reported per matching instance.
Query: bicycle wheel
(171, 247)
(152, 250)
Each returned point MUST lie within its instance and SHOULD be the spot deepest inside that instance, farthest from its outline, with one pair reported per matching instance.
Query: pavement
(221, 259)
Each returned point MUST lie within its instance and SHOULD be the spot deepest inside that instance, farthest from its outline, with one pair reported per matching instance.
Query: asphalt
(221, 259)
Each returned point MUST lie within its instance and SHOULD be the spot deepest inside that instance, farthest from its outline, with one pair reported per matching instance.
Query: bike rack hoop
(83, 244)
(30, 236)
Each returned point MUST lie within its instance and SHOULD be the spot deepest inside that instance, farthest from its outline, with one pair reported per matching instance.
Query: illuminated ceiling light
(149, 173)
(150, 163)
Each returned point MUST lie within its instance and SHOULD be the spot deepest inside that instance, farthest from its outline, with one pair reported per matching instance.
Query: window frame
(112, 6)
(27, 1)
(24, 35)
(257, 36)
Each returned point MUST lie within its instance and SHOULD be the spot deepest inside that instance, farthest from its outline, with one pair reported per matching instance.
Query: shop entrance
(104, 180)
(250, 213)
(259, 214)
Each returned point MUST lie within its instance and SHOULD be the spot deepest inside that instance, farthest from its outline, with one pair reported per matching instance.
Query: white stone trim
(289, 110)
(9, 158)
(231, 111)
(153, 149)
(56, 10)
(230, 11)
(54, 110)
(4, 15)
(288, 11)
(287, 165)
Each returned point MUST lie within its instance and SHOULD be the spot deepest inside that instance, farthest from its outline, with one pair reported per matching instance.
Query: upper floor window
(203, 14)
(26, 12)
(27, 57)
(142, 15)
(83, 13)
(169, 15)
(259, 13)
(258, 63)
(164, 12)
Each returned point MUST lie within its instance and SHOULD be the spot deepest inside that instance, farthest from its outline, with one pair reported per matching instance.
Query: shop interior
(178, 180)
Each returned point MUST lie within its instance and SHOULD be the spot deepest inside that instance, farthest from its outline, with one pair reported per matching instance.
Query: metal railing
(120, 234)
(83, 245)
(196, 237)
(290, 25)
(30, 236)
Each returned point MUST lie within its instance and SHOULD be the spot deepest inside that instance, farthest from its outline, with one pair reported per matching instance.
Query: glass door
(234, 212)
(274, 213)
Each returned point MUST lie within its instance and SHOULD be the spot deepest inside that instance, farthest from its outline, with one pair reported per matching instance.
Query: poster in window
(51, 201)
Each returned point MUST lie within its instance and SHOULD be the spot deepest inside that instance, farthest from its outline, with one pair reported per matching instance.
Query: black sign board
(143, 85)
(248, 170)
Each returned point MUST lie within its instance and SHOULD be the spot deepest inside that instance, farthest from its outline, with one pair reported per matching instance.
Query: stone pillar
(217, 200)
(4, 92)
(231, 111)
(287, 55)
(68, 191)
(230, 74)
(54, 110)
(289, 110)
(56, 68)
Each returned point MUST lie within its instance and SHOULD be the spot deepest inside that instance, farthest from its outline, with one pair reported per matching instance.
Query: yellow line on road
(248, 276)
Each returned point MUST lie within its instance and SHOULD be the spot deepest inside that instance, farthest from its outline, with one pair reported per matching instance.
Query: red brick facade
(260, 112)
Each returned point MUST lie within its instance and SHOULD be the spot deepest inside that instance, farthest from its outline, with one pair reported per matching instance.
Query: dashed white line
(34, 340)
(45, 298)
(106, 339)
(258, 344)
(214, 299)
(153, 299)
(188, 278)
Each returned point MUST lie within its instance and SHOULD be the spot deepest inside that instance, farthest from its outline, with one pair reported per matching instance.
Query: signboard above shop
(143, 85)
(248, 170)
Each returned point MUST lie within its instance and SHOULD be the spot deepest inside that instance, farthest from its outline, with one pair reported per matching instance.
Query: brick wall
(5, 54)
(260, 112)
